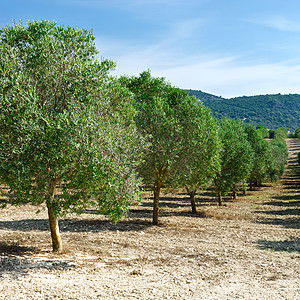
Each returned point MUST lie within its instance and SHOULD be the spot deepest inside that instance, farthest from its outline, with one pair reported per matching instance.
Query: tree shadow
(291, 245)
(166, 202)
(285, 212)
(86, 225)
(290, 185)
(184, 213)
(13, 264)
(138, 217)
(174, 202)
(76, 225)
(25, 225)
(14, 267)
(181, 206)
(289, 199)
(16, 249)
(292, 223)
(286, 201)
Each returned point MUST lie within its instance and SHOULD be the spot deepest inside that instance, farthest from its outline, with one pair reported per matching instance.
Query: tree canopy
(236, 157)
(201, 160)
(262, 158)
(280, 156)
(178, 129)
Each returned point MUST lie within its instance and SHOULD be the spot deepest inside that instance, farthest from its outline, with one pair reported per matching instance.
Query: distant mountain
(271, 111)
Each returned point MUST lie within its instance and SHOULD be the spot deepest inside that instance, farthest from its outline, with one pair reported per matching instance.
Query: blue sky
(224, 47)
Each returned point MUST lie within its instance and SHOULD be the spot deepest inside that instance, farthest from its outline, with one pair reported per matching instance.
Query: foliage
(64, 123)
(271, 111)
(157, 119)
(280, 134)
(280, 155)
(263, 156)
(262, 131)
(197, 166)
(236, 157)
(201, 159)
(297, 133)
(177, 128)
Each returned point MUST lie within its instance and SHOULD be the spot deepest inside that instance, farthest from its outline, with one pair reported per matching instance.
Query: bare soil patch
(247, 249)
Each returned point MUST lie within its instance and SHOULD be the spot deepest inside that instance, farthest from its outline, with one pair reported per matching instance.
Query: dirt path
(247, 249)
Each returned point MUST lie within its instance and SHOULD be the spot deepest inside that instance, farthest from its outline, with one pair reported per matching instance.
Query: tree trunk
(161, 173)
(193, 203)
(234, 194)
(156, 192)
(53, 222)
(219, 199)
(251, 185)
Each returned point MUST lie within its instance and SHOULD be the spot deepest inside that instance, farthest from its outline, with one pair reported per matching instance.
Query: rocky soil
(247, 249)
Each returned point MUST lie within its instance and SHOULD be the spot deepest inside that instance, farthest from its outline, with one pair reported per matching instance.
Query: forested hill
(271, 111)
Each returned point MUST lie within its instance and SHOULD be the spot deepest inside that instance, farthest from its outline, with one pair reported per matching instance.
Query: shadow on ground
(291, 245)
(15, 267)
(16, 249)
(73, 225)
(286, 201)
(292, 223)
(284, 212)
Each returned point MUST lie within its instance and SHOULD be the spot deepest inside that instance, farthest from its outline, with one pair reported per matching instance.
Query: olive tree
(236, 157)
(280, 156)
(262, 131)
(67, 132)
(201, 160)
(297, 133)
(280, 134)
(171, 122)
(262, 159)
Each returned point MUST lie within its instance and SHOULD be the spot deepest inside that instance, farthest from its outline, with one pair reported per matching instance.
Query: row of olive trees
(72, 136)
(184, 143)
(188, 148)
(279, 152)
(297, 135)
(247, 159)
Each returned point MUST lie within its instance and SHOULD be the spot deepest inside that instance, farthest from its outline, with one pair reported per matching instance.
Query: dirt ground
(247, 249)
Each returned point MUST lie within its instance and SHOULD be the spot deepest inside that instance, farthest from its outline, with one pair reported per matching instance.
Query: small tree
(280, 133)
(280, 156)
(262, 158)
(236, 157)
(67, 133)
(297, 133)
(263, 132)
(201, 159)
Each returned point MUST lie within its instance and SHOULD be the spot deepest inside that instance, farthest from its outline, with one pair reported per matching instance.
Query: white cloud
(217, 73)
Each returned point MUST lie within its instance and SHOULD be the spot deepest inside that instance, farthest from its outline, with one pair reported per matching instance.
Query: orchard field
(248, 248)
